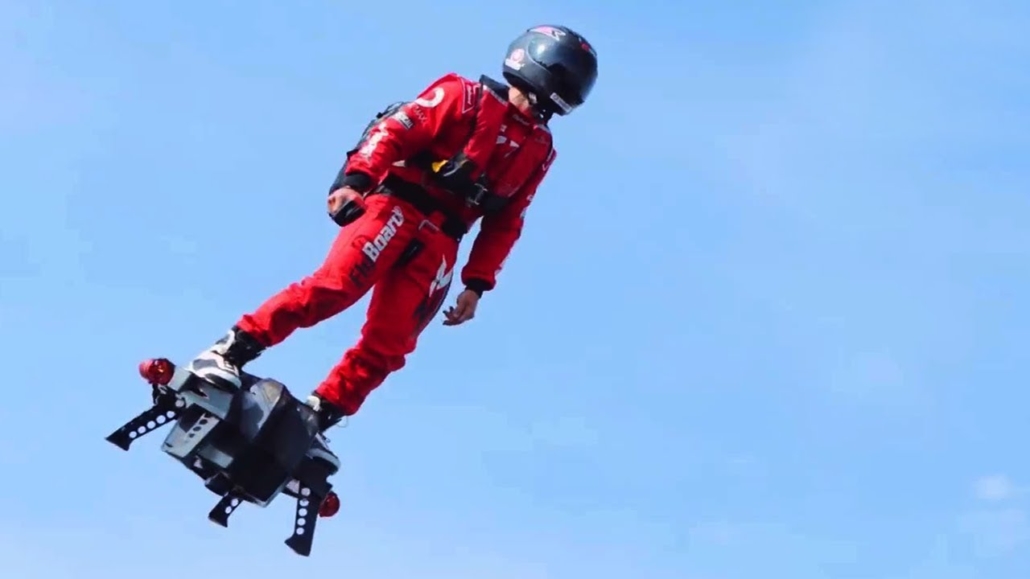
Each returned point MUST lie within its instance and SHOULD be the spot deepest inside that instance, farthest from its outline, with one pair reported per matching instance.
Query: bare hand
(345, 205)
(463, 310)
(339, 197)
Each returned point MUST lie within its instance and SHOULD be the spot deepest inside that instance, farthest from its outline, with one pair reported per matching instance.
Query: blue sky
(768, 318)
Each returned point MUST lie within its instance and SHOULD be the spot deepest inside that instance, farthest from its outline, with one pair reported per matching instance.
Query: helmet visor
(573, 68)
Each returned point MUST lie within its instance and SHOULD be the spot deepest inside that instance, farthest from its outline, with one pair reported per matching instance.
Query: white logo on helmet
(560, 102)
(555, 33)
(516, 59)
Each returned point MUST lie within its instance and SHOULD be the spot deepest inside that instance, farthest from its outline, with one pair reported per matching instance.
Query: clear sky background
(769, 317)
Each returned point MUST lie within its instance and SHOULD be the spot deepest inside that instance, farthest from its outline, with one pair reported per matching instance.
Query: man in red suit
(421, 175)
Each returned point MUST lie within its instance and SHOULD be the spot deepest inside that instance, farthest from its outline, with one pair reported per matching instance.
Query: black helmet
(555, 65)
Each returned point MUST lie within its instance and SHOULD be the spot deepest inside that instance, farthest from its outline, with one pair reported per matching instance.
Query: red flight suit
(405, 255)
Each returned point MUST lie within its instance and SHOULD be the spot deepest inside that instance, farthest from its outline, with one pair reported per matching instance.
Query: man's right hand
(345, 205)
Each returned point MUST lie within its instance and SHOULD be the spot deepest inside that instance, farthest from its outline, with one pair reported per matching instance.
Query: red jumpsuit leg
(361, 254)
(404, 301)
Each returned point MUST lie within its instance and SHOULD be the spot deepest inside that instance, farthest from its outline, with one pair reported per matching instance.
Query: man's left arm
(498, 234)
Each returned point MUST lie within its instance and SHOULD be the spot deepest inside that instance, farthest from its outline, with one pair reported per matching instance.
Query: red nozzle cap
(330, 506)
(157, 371)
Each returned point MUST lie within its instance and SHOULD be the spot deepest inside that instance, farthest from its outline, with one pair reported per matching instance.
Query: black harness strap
(453, 175)
(420, 199)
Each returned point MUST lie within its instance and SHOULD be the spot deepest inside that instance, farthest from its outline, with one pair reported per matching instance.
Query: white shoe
(211, 365)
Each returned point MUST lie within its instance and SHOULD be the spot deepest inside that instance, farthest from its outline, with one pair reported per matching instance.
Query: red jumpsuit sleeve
(409, 130)
(498, 233)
